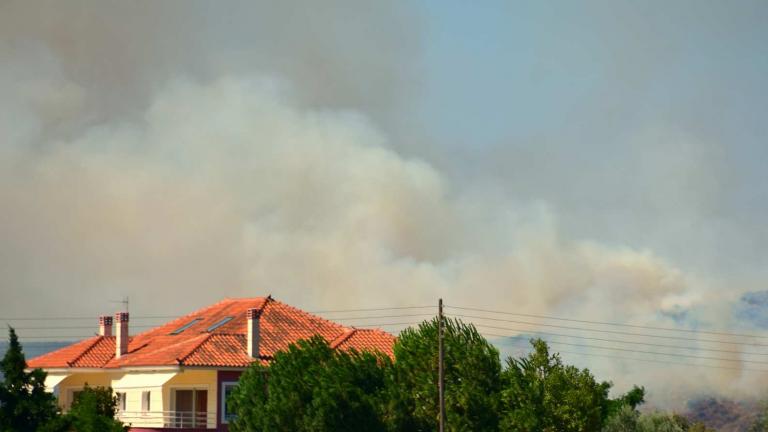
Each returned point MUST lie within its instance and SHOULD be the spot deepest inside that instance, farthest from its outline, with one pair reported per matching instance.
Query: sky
(599, 160)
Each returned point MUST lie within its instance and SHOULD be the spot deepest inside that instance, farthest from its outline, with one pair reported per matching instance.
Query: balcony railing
(169, 419)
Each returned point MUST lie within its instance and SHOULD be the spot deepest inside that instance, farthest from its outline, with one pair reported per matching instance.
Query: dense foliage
(761, 423)
(311, 387)
(93, 410)
(472, 379)
(24, 403)
(542, 394)
(627, 419)
(26, 406)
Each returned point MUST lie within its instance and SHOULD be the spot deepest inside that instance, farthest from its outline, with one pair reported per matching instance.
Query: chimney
(121, 338)
(254, 330)
(105, 325)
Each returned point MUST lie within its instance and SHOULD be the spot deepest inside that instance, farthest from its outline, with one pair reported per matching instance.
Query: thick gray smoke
(179, 153)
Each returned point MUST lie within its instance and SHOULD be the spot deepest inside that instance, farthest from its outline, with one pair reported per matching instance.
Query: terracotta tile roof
(221, 349)
(100, 352)
(366, 339)
(72, 354)
(224, 346)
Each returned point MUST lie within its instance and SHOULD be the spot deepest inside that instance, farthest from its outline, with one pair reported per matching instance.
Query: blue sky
(529, 66)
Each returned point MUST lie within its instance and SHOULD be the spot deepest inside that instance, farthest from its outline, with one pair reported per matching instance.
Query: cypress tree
(24, 403)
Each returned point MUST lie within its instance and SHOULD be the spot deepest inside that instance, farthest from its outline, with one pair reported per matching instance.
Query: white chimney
(121, 338)
(105, 325)
(254, 329)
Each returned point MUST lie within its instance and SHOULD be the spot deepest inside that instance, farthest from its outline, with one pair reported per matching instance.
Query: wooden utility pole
(440, 367)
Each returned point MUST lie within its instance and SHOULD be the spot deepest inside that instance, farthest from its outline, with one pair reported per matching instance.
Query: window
(219, 324)
(121, 401)
(186, 326)
(226, 411)
(191, 407)
(146, 400)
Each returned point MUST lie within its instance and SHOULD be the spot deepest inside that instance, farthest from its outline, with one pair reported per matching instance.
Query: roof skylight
(186, 326)
(219, 324)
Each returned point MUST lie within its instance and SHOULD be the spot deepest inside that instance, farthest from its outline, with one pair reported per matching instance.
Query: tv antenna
(125, 302)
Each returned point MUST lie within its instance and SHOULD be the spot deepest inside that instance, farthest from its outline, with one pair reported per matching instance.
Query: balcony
(168, 420)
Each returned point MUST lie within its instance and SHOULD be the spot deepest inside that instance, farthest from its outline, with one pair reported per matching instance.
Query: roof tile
(280, 326)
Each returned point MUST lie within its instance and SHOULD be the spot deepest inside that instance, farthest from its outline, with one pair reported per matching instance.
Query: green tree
(761, 423)
(24, 403)
(632, 399)
(689, 426)
(627, 419)
(699, 427)
(660, 422)
(472, 379)
(93, 410)
(311, 387)
(542, 394)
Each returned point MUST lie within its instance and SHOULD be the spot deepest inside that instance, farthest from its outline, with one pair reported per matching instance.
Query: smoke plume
(177, 154)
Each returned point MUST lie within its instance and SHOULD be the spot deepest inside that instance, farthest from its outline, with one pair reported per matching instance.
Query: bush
(311, 387)
(93, 410)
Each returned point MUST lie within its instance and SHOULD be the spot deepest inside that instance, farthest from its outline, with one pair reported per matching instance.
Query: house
(177, 376)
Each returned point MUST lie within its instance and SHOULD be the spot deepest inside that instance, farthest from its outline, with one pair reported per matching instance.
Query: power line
(77, 327)
(80, 318)
(371, 309)
(379, 316)
(647, 352)
(61, 318)
(664, 362)
(615, 331)
(61, 337)
(173, 317)
(159, 325)
(69, 337)
(384, 324)
(622, 341)
(644, 360)
(717, 333)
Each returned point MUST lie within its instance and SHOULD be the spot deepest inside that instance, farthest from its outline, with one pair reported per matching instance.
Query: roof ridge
(343, 337)
(225, 300)
(87, 350)
(334, 323)
(195, 349)
(375, 330)
(183, 318)
(267, 300)
(372, 329)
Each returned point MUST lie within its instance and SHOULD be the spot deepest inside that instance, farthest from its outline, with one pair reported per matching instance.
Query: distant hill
(723, 414)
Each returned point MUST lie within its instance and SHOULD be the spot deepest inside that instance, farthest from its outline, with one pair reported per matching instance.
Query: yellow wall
(77, 382)
(196, 379)
(144, 381)
(161, 398)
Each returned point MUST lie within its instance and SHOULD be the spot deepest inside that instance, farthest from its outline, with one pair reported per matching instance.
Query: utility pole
(441, 368)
